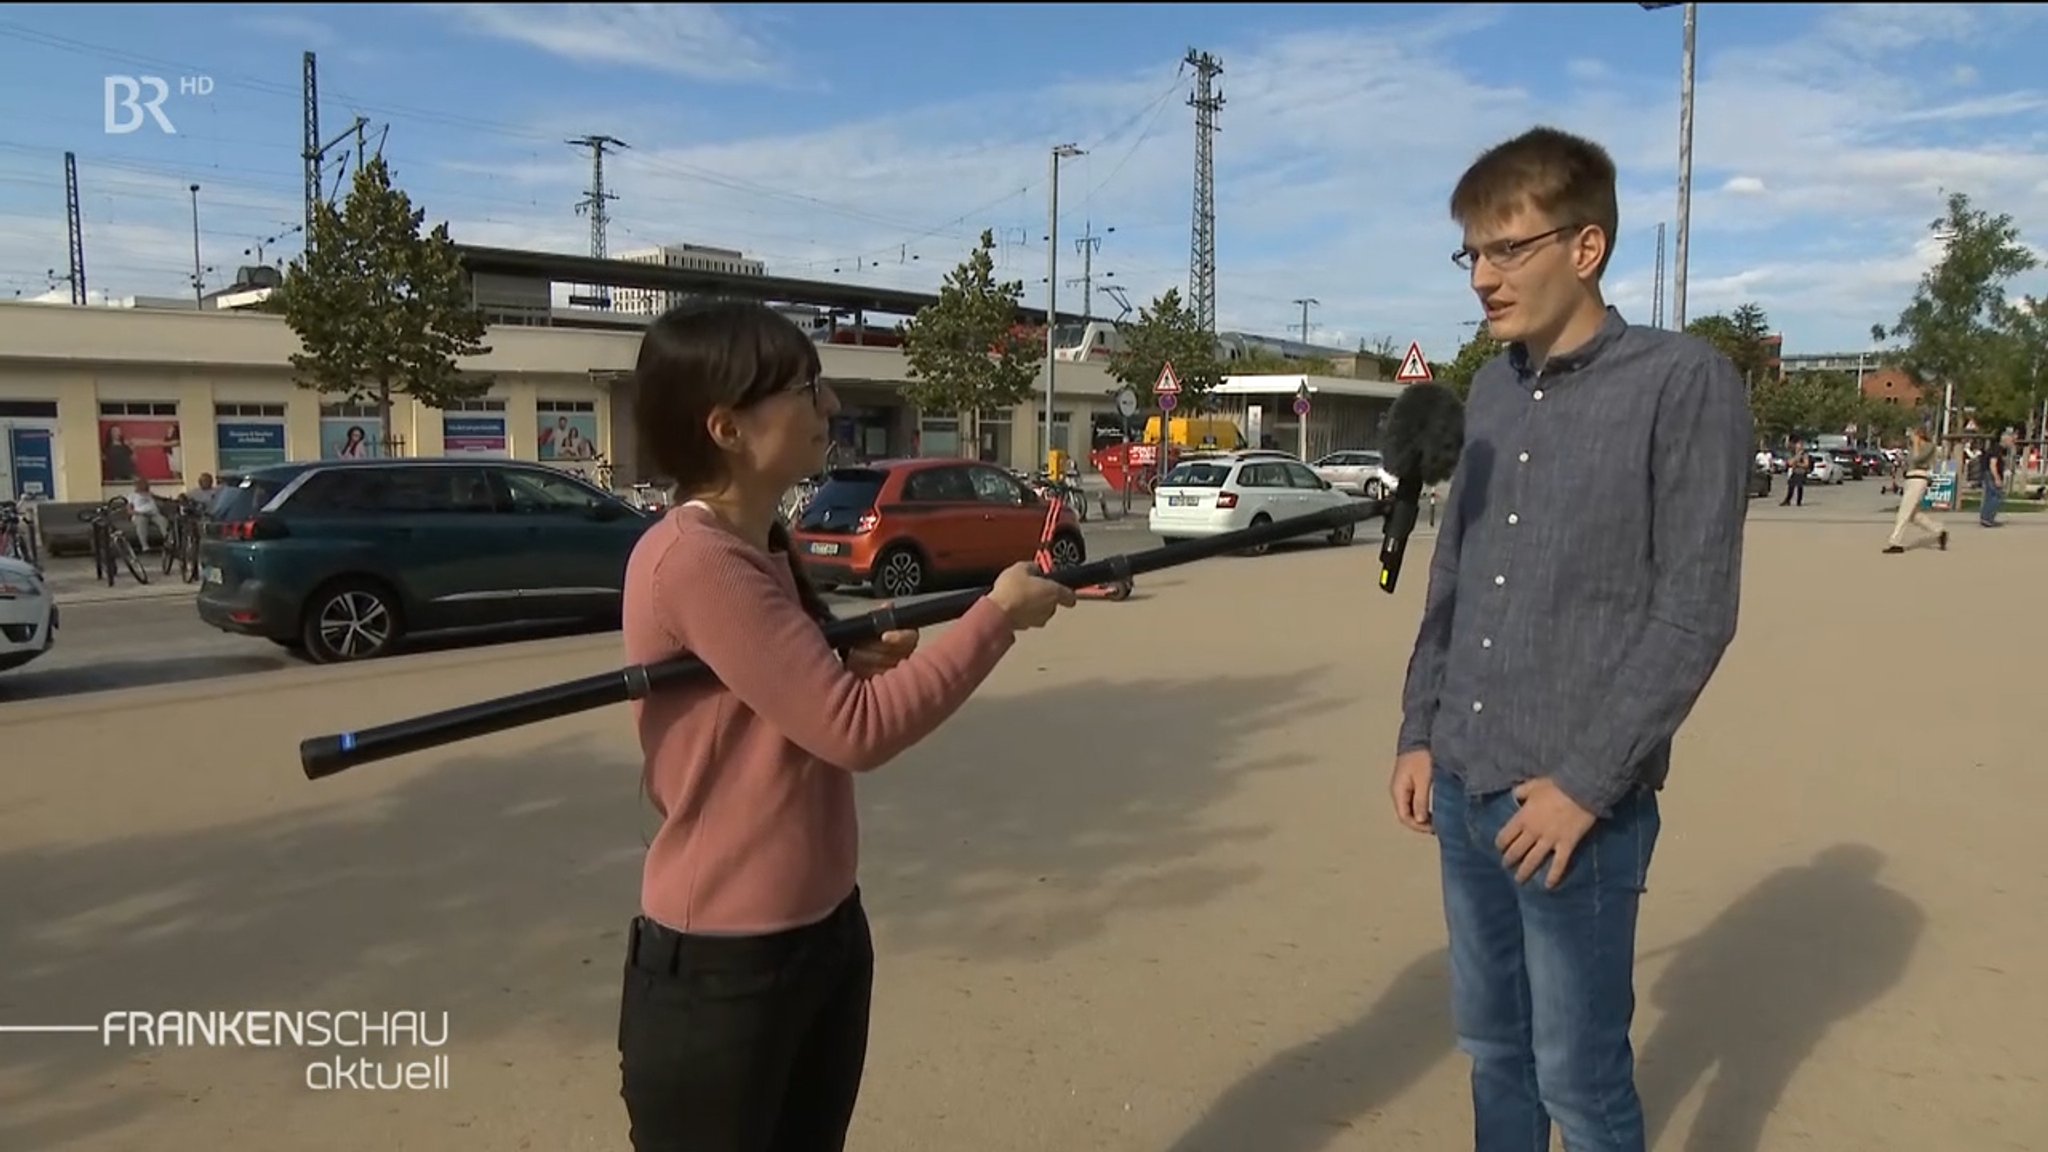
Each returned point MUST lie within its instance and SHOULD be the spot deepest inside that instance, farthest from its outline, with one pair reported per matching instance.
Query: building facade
(92, 399)
(696, 258)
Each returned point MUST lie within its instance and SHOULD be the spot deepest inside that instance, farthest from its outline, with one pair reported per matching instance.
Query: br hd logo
(126, 105)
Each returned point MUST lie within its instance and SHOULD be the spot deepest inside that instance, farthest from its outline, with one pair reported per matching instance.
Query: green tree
(1959, 328)
(2011, 389)
(380, 309)
(1472, 355)
(967, 352)
(1166, 331)
(1833, 401)
(1781, 407)
(1886, 423)
(1741, 336)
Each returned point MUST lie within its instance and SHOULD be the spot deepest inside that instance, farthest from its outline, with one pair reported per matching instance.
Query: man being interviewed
(1583, 588)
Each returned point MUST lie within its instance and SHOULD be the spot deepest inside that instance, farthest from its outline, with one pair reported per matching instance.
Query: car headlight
(16, 584)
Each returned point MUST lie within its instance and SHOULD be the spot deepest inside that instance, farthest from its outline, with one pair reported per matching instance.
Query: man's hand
(1549, 824)
(878, 656)
(1413, 772)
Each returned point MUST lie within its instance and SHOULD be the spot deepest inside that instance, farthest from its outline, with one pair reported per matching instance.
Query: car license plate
(824, 549)
(210, 575)
(1182, 501)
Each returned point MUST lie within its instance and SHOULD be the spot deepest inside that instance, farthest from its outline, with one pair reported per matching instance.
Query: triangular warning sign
(1168, 384)
(1414, 369)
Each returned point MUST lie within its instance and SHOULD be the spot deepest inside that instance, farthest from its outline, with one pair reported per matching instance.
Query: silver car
(1360, 472)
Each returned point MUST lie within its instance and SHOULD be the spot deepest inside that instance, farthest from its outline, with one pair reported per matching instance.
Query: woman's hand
(878, 656)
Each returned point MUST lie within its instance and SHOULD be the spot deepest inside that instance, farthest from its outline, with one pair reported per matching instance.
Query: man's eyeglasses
(1507, 253)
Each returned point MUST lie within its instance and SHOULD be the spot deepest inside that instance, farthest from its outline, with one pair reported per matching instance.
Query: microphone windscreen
(1425, 434)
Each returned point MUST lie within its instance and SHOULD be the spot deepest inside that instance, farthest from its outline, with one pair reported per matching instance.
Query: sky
(873, 143)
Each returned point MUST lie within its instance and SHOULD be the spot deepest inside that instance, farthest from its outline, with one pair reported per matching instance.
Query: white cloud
(695, 40)
(1818, 162)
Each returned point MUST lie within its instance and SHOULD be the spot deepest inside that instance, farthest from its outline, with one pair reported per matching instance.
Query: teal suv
(341, 559)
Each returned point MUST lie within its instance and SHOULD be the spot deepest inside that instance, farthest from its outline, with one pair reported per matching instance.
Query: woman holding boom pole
(744, 1019)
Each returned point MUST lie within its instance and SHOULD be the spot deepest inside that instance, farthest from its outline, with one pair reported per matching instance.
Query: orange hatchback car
(910, 526)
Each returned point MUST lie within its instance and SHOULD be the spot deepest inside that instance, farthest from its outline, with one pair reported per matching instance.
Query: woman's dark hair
(725, 353)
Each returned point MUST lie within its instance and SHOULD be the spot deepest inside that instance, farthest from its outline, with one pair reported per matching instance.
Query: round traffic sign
(1126, 402)
(1167, 401)
(1301, 405)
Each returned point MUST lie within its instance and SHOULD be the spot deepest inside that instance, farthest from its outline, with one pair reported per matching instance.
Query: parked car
(1823, 468)
(342, 559)
(28, 614)
(1359, 472)
(910, 526)
(1849, 460)
(1225, 493)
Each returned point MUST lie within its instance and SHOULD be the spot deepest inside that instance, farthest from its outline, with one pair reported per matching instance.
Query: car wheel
(350, 620)
(1067, 551)
(900, 572)
(1372, 490)
(1259, 549)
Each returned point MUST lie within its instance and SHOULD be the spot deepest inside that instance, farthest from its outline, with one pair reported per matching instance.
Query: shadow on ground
(495, 888)
(250, 655)
(1747, 1000)
(1744, 1003)
(1303, 1098)
(1028, 823)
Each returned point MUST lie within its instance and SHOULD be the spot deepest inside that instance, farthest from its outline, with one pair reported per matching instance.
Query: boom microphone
(1425, 434)
(326, 755)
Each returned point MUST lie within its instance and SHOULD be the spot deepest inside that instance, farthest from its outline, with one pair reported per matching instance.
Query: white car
(28, 616)
(1226, 492)
(1361, 472)
(1822, 468)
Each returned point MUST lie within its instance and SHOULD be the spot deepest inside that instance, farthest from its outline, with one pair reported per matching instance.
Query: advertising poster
(350, 437)
(35, 471)
(568, 436)
(140, 448)
(473, 435)
(247, 444)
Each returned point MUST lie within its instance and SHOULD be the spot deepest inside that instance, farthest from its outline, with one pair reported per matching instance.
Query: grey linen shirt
(1588, 569)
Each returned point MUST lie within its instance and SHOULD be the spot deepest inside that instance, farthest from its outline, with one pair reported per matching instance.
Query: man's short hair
(1567, 178)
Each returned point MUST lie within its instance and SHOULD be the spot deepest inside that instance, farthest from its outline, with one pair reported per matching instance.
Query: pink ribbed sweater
(752, 774)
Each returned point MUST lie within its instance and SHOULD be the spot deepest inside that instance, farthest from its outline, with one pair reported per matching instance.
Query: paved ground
(1142, 894)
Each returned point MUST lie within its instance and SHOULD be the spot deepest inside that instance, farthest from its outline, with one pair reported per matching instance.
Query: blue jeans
(1994, 499)
(1543, 980)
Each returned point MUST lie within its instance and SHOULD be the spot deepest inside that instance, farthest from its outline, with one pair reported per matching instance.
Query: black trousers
(746, 1043)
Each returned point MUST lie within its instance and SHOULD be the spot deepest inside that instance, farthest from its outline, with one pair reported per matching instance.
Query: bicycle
(797, 499)
(17, 541)
(181, 547)
(110, 544)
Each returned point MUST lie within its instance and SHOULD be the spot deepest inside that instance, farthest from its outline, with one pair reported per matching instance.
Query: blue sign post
(35, 469)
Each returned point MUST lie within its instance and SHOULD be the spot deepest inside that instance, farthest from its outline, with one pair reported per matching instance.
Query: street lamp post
(1684, 165)
(198, 281)
(1052, 288)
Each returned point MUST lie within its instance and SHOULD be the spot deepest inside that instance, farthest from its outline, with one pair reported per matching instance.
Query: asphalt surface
(160, 640)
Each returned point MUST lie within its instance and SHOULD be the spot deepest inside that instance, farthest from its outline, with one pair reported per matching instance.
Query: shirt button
(1478, 707)
(1524, 457)
(1513, 518)
(1499, 580)
(1539, 394)
(1486, 642)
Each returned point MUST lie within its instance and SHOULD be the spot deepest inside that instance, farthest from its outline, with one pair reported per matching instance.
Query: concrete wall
(80, 359)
